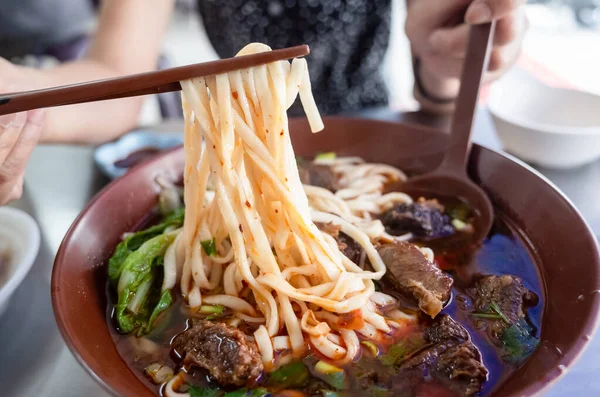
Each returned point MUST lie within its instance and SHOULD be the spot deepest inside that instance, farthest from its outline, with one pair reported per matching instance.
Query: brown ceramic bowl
(567, 250)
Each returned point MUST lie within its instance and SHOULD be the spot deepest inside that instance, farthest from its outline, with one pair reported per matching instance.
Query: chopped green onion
(290, 375)
(333, 375)
(458, 224)
(212, 309)
(460, 212)
(490, 316)
(209, 247)
(326, 156)
(378, 391)
(326, 368)
(371, 346)
(259, 392)
(496, 308)
(329, 393)
(402, 349)
(196, 391)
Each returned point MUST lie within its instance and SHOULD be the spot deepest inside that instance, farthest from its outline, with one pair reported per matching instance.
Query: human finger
(481, 11)
(11, 126)
(16, 161)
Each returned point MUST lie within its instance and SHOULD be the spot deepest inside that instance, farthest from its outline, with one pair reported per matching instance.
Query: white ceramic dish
(22, 235)
(547, 126)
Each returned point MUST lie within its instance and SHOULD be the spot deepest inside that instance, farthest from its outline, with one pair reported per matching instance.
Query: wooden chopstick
(138, 84)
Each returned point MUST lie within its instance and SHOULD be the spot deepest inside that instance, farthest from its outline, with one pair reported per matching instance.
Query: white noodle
(273, 266)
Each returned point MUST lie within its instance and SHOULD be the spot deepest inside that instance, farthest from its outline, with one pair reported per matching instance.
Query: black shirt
(348, 40)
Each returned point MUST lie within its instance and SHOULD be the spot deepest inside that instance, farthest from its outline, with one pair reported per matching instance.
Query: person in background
(348, 40)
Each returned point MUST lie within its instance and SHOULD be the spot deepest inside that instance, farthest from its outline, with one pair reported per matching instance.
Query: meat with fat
(224, 351)
(349, 247)
(450, 357)
(507, 293)
(410, 273)
(422, 219)
(320, 175)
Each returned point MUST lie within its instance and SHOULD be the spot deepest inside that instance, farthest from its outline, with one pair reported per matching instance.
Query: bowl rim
(566, 130)
(22, 268)
(536, 388)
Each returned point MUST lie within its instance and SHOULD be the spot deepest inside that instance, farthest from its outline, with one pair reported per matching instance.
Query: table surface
(60, 180)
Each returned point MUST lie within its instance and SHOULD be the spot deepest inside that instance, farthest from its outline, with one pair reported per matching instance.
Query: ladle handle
(474, 68)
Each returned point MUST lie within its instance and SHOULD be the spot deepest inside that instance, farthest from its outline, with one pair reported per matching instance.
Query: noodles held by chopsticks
(236, 135)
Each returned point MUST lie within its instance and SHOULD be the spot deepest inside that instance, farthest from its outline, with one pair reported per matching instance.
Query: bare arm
(128, 40)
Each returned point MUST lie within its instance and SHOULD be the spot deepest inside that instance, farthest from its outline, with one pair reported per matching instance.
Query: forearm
(85, 123)
(127, 41)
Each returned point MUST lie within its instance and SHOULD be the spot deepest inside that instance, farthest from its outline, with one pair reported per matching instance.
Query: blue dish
(106, 155)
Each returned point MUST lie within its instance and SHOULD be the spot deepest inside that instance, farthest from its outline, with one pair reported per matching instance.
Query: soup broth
(504, 252)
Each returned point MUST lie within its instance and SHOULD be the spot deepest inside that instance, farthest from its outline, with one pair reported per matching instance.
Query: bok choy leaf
(135, 241)
(136, 281)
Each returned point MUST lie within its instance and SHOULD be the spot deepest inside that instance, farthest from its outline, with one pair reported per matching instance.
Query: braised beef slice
(423, 219)
(505, 291)
(410, 273)
(224, 351)
(346, 244)
(318, 175)
(451, 358)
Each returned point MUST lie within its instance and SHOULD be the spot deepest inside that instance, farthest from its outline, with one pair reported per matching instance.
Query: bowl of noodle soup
(253, 287)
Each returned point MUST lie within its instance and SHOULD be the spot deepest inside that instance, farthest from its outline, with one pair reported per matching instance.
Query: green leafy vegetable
(326, 156)
(259, 392)
(518, 342)
(209, 247)
(202, 392)
(135, 241)
(165, 301)
(402, 349)
(290, 375)
(135, 282)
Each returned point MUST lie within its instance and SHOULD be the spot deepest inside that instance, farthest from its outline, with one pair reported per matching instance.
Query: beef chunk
(318, 175)
(346, 244)
(444, 328)
(451, 358)
(508, 293)
(224, 351)
(423, 219)
(410, 273)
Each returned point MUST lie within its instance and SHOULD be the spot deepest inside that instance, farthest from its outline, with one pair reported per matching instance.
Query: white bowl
(551, 127)
(22, 235)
